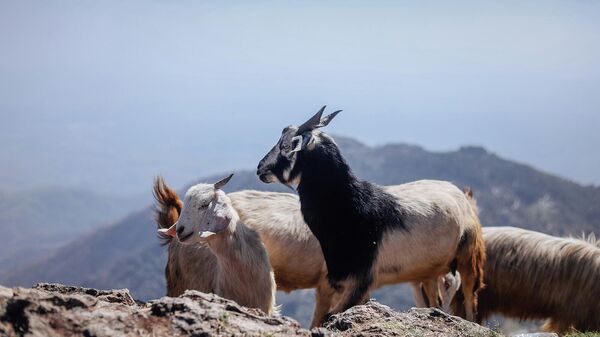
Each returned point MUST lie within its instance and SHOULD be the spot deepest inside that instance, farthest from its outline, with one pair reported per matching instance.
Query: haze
(106, 94)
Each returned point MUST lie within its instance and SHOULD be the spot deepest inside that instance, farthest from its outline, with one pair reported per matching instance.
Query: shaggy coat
(530, 275)
(368, 236)
(232, 262)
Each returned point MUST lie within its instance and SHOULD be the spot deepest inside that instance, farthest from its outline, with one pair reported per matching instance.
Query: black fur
(348, 216)
(274, 161)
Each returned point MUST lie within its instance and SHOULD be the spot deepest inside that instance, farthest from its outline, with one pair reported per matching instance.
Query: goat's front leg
(355, 291)
(324, 296)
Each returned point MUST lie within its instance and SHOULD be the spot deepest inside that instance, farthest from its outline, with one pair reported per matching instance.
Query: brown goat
(530, 275)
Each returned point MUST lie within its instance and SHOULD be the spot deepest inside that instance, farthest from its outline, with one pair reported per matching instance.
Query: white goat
(233, 262)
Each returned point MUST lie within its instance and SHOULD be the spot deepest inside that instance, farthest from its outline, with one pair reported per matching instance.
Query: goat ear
(468, 191)
(171, 231)
(312, 123)
(325, 120)
(221, 183)
(297, 143)
(300, 143)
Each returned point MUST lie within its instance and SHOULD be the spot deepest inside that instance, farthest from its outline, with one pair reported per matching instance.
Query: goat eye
(286, 147)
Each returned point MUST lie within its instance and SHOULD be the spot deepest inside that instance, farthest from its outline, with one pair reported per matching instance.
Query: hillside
(36, 222)
(127, 254)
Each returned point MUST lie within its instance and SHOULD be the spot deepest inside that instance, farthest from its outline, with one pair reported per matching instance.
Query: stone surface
(55, 310)
(374, 319)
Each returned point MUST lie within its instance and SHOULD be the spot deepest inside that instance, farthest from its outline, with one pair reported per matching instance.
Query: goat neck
(324, 169)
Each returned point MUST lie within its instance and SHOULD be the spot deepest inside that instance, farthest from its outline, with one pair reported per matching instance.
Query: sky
(106, 94)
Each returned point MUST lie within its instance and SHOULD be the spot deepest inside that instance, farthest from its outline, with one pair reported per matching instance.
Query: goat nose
(180, 230)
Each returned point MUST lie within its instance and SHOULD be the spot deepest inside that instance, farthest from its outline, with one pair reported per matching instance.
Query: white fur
(238, 265)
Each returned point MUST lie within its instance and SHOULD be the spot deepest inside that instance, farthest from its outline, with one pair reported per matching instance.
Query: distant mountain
(127, 254)
(35, 222)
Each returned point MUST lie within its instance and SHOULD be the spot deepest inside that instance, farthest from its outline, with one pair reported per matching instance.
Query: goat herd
(346, 237)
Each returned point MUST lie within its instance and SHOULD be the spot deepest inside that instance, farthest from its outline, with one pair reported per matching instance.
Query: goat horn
(325, 120)
(313, 122)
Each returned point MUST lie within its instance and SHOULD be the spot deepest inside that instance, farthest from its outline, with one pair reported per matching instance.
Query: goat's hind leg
(432, 292)
(418, 295)
(467, 288)
(426, 294)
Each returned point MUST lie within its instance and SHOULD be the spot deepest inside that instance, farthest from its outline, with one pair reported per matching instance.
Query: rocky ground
(55, 310)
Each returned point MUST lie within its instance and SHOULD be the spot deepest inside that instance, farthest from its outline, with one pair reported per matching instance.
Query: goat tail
(478, 257)
(478, 252)
(167, 208)
(471, 263)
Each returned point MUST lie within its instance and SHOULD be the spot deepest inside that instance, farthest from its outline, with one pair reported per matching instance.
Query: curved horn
(312, 123)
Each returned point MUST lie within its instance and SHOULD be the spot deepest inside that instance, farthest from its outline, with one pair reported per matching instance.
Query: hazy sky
(108, 93)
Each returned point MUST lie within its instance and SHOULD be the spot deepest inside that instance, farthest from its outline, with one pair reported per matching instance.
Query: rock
(56, 310)
(374, 319)
(113, 296)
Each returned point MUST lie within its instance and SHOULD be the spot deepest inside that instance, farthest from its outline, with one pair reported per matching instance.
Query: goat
(370, 237)
(530, 275)
(231, 260)
(294, 253)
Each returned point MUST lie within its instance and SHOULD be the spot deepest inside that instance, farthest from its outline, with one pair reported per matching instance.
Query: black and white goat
(372, 236)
